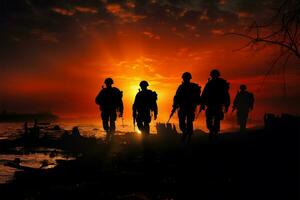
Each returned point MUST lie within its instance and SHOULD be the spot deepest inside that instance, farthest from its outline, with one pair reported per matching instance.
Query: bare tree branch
(272, 66)
(282, 30)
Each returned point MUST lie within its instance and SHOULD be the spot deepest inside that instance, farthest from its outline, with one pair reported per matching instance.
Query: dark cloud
(59, 18)
(64, 26)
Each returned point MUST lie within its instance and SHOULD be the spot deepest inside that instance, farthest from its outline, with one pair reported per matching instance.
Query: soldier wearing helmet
(108, 81)
(215, 74)
(110, 101)
(243, 103)
(215, 98)
(144, 104)
(186, 99)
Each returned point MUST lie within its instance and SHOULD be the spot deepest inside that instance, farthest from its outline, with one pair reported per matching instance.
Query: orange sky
(60, 67)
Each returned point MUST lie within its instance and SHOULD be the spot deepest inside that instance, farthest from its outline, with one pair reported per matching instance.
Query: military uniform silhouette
(186, 99)
(215, 97)
(144, 104)
(243, 103)
(110, 101)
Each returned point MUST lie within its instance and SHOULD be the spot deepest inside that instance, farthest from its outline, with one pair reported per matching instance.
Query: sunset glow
(140, 99)
(61, 66)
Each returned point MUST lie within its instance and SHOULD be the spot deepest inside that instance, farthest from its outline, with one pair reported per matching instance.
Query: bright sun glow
(130, 88)
(133, 90)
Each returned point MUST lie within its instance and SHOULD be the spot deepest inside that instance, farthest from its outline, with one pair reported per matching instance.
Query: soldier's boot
(243, 125)
(213, 135)
(108, 137)
(105, 126)
(147, 129)
(189, 138)
(184, 135)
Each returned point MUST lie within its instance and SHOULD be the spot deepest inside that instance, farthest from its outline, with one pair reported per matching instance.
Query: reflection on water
(6, 173)
(41, 157)
(87, 129)
(10, 130)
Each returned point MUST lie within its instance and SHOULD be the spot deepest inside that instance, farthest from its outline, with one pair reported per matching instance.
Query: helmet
(215, 73)
(243, 87)
(109, 81)
(186, 76)
(144, 84)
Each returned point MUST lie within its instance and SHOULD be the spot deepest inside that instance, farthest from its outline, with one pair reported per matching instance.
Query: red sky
(56, 56)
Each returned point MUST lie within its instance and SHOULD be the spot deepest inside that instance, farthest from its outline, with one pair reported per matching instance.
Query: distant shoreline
(21, 117)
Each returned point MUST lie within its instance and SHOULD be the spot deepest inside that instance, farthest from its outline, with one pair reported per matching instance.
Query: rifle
(172, 113)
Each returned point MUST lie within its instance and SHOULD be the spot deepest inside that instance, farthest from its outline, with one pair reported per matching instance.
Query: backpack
(216, 92)
(153, 100)
(146, 100)
(187, 95)
(109, 98)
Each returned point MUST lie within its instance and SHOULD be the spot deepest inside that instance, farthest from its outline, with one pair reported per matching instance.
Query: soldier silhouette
(186, 99)
(215, 98)
(243, 103)
(144, 104)
(110, 101)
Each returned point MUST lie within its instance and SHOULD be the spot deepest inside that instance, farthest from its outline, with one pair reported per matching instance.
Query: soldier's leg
(209, 120)
(139, 123)
(146, 128)
(190, 128)
(242, 125)
(244, 122)
(213, 129)
(246, 119)
(147, 125)
(113, 117)
(219, 115)
(239, 119)
(182, 121)
(217, 124)
(242, 118)
(105, 118)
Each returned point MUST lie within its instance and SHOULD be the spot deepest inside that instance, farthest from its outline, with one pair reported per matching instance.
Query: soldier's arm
(227, 103)
(252, 101)
(134, 110)
(155, 110)
(176, 98)
(203, 97)
(118, 95)
(98, 98)
(227, 97)
(121, 107)
(198, 94)
(235, 101)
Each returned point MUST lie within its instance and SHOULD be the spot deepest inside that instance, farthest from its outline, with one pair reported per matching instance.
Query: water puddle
(39, 158)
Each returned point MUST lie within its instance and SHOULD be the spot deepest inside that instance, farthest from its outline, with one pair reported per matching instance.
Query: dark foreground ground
(256, 165)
